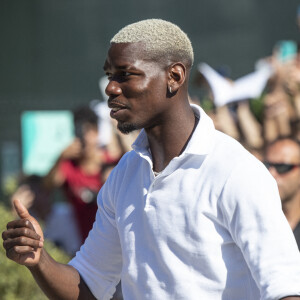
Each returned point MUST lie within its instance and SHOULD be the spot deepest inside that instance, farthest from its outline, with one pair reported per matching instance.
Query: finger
(23, 249)
(23, 231)
(19, 224)
(22, 241)
(21, 209)
(14, 253)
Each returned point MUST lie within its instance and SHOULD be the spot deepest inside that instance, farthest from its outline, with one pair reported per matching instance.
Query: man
(282, 158)
(188, 214)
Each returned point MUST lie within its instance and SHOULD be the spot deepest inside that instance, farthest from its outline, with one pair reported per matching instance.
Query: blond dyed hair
(163, 40)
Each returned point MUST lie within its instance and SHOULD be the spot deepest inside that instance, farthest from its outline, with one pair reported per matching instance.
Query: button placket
(149, 193)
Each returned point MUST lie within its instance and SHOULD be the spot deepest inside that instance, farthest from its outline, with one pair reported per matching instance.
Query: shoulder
(128, 162)
(127, 159)
(242, 174)
(229, 157)
(247, 183)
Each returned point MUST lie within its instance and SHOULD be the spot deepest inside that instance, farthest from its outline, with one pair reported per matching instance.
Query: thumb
(24, 214)
(21, 209)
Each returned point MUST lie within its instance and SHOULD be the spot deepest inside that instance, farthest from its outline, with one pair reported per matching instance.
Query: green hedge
(16, 282)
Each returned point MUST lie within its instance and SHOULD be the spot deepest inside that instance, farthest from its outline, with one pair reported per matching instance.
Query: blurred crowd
(259, 107)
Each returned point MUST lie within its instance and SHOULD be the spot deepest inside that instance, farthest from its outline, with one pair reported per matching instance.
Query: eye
(119, 75)
(109, 75)
(125, 74)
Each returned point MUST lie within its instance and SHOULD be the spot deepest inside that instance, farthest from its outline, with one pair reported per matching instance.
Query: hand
(291, 79)
(23, 239)
(276, 104)
(73, 151)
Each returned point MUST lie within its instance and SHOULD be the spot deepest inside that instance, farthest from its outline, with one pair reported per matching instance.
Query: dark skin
(140, 88)
(139, 97)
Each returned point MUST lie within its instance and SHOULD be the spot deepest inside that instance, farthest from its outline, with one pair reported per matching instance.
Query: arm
(276, 115)
(226, 122)
(55, 178)
(23, 242)
(59, 281)
(261, 231)
(249, 125)
(277, 106)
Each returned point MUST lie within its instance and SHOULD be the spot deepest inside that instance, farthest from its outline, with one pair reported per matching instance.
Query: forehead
(286, 150)
(122, 55)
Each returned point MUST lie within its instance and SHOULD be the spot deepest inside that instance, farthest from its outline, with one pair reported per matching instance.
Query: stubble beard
(126, 128)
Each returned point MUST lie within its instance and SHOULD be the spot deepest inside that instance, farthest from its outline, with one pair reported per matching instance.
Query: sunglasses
(281, 168)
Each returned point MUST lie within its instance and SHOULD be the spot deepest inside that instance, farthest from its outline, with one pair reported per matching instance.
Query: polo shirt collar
(141, 144)
(200, 143)
(203, 136)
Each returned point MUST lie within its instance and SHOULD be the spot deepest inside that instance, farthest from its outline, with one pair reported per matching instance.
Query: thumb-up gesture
(23, 239)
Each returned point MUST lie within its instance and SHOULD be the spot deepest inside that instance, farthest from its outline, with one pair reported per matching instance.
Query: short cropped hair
(84, 114)
(162, 39)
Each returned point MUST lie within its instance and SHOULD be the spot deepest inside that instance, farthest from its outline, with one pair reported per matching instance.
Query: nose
(113, 88)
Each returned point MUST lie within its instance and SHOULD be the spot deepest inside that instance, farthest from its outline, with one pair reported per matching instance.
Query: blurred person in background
(33, 196)
(81, 170)
(57, 217)
(78, 169)
(292, 87)
(281, 98)
(282, 158)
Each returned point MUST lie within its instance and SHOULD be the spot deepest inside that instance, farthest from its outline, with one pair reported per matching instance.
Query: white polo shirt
(210, 226)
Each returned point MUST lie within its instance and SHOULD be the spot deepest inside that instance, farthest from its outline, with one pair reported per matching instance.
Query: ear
(177, 77)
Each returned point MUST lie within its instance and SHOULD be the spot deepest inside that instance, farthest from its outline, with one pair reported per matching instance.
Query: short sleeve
(99, 260)
(257, 224)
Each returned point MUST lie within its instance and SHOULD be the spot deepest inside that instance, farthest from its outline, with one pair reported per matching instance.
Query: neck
(291, 209)
(170, 138)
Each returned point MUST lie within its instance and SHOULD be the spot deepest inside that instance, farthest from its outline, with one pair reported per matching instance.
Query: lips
(115, 104)
(116, 108)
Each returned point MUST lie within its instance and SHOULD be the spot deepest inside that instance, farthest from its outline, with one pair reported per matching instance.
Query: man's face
(285, 152)
(137, 87)
(90, 136)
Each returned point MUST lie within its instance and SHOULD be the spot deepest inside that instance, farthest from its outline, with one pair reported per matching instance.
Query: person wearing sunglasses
(282, 158)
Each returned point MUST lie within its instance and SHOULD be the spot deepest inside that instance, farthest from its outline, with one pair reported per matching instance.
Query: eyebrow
(121, 67)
